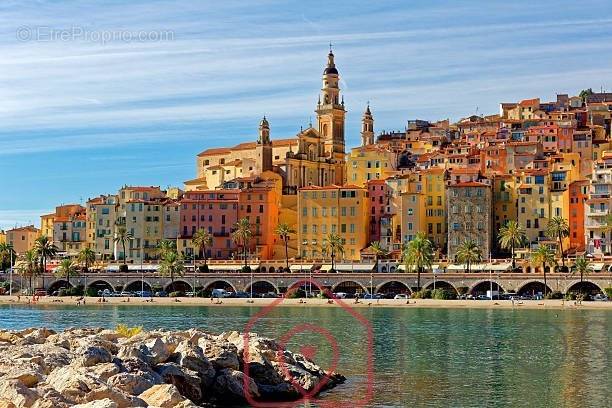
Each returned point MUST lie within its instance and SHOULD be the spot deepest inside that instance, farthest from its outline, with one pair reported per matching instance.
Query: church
(315, 156)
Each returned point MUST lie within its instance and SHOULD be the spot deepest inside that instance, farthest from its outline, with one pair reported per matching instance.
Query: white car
(402, 296)
(340, 295)
(600, 297)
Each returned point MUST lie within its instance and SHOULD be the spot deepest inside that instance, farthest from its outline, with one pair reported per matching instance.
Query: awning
(499, 267)
(325, 268)
(300, 267)
(132, 267)
(354, 267)
(597, 266)
(434, 268)
(230, 267)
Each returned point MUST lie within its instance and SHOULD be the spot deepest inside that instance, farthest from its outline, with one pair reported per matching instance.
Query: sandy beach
(413, 303)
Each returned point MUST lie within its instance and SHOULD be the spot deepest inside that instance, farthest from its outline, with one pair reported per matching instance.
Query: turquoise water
(421, 357)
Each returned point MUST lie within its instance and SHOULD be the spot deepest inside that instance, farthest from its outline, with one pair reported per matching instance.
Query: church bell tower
(263, 150)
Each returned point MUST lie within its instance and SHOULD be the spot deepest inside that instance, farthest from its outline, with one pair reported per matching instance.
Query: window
(314, 211)
(304, 211)
(343, 228)
(352, 228)
(314, 228)
(304, 229)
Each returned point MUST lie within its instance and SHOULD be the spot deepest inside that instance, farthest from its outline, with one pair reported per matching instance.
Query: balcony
(221, 234)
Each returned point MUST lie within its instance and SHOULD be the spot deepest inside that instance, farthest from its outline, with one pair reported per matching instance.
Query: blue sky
(79, 117)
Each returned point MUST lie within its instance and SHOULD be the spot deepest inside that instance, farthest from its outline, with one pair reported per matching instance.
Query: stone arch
(261, 286)
(100, 285)
(219, 284)
(59, 284)
(441, 284)
(586, 287)
(137, 286)
(384, 269)
(484, 285)
(393, 287)
(348, 286)
(532, 286)
(271, 270)
(262, 269)
(179, 285)
(392, 269)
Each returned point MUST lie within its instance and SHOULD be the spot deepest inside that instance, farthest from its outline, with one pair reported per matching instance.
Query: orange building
(22, 239)
(578, 195)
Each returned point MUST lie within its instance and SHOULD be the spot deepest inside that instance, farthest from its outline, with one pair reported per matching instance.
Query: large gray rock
(229, 386)
(87, 356)
(129, 383)
(186, 381)
(191, 356)
(163, 396)
(221, 355)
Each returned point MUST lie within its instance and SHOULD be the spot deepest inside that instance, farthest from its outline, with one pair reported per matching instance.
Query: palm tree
(511, 235)
(6, 254)
(418, 254)
(582, 267)
(44, 249)
(284, 230)
(122, 236)
(558, 228)
(165, 246)
(172, 265)
(28, 266)
(87, 256)
(202, 240)
(66, 269)
(379, 252)
(544, 256)
(242, 236)
(333, 243)
(469, 253)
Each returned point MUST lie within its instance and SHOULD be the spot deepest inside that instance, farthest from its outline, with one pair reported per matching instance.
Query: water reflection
(422, 357)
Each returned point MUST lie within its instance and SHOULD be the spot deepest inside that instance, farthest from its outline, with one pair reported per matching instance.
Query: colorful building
(578, 195)
(341, 210)
(22, 239)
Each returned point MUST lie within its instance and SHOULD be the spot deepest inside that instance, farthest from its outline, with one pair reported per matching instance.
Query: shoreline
(262, 302)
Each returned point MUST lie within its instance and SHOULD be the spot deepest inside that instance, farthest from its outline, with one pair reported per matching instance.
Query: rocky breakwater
(101, 368)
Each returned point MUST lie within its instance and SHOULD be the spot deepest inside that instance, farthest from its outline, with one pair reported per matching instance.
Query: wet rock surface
(99, 368)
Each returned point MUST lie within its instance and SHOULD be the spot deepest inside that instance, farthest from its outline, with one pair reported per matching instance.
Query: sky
(95, 95)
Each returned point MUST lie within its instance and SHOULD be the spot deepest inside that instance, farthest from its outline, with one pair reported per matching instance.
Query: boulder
(129, 383)
(104, 403)
(186, 381)
(221, 355)
(163, 396)
(229, 385)
(191, 356)
(17, 393)
(87, 356)
(9, 337)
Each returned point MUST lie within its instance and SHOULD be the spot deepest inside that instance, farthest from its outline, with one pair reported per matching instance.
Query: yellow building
(534, 199)
(101, 219)
(22, 239)
(2, 237)
(46, 225)
(434, 188)
(341, 210)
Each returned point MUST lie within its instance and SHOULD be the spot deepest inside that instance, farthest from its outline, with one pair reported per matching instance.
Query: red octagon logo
(311, 395)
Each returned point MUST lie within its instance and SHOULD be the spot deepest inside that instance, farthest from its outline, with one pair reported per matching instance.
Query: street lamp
(11, 271)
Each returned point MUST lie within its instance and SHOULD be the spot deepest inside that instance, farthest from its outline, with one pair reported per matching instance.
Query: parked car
(40, 292)
(126, 293)
(161, 293)
(104, 292)
(269, 295)
(143, 293)
(401, 296)
(340, 295)
(600, 298)
(483, 297)
(372, 296)
(243, 295)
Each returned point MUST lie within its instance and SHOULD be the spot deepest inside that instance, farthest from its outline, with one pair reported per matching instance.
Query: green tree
(87, 257)
(558, 228)
(6, 254)
(172, 265)
(581, 267)
(66, 269)
(123, 236)
(202, 240)
(585, 93)
(544, 256)
(379, 252)
(45, 249)
(469, 253)
(284, 231)
(28, 266)
(511, 235)
(333, 243)
(165, 246)
(418, 255)
(242, 236)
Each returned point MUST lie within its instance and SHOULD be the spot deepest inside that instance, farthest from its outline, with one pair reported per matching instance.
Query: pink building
(214, 210)
(380, 208)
